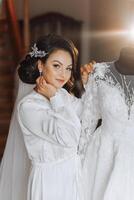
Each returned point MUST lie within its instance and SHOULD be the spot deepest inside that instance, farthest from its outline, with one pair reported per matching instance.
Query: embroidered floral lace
(107, 92)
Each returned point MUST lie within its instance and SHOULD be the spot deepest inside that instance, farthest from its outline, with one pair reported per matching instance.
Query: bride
(15, 167)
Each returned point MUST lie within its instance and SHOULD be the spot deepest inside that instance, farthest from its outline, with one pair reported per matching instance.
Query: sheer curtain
(15, 164)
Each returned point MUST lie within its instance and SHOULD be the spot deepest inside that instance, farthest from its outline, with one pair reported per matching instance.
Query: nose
(63, 73)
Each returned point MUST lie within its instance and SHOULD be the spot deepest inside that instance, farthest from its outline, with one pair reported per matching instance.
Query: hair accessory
(37, 53)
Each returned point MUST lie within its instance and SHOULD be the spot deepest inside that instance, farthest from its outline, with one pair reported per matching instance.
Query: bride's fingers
(93, 62)
(82, 69)
(37, 80)
(40, 82)
(44, 82)
(89, 67)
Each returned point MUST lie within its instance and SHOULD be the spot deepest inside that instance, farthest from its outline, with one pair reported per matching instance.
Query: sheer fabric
(125, 84)
(14, 167)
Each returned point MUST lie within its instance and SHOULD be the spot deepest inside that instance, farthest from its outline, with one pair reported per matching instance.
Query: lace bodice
(124, 83)
(109, 96)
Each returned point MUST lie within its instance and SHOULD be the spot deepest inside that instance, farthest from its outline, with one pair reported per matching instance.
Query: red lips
(60, 80)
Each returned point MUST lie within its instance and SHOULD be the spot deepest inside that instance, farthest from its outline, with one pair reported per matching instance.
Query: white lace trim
(102, 72)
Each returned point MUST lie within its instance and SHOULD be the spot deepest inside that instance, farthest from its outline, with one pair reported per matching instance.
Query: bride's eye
(69, 68)
(56, 66)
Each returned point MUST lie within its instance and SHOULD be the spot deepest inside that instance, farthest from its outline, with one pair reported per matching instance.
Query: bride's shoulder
(33, 99)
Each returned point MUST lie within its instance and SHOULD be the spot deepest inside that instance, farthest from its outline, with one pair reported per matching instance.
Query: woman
(49, 118)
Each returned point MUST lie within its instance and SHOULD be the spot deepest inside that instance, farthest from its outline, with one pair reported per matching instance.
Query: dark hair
(28, 70)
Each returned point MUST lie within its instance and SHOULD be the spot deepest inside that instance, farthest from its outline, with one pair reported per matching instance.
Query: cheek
(48, 73)
(68, 76)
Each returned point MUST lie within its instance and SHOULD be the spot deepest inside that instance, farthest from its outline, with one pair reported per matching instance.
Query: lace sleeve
(90, 115)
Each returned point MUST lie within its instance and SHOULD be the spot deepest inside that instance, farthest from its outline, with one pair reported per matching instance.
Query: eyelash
(69, 69)
(58, 66)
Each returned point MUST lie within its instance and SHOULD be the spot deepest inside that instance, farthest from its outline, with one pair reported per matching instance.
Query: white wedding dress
(109, 155)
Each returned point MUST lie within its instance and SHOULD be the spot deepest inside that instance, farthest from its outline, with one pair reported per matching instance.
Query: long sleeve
(90, 114)
(77, 104)
(56, 123)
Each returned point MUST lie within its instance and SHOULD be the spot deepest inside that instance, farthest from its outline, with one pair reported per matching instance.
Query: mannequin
(109, 159)
(125, 63)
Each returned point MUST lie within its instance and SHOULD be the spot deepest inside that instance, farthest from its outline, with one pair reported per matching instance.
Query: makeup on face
(58, 68)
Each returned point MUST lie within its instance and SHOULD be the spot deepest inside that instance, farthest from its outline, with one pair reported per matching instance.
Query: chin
(58, 86)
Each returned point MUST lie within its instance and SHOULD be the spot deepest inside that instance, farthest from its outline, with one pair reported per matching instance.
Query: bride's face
(58, 68)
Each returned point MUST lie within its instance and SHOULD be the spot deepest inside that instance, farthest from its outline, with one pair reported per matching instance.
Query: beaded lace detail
(109, 96)
(123, 83)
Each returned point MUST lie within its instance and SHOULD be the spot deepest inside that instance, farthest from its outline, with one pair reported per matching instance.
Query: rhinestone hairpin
(37, 53)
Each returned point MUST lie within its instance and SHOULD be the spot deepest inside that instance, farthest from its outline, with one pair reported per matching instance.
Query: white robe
(51, 131)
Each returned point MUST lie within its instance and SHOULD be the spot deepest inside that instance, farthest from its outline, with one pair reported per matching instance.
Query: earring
(40, 72)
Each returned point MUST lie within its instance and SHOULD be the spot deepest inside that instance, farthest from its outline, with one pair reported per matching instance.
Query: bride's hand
(86, 70)
(45, 89)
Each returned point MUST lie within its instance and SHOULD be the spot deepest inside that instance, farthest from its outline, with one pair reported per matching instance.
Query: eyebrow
(61, 63)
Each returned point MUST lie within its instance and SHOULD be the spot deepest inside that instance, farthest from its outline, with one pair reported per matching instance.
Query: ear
(40, 65)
